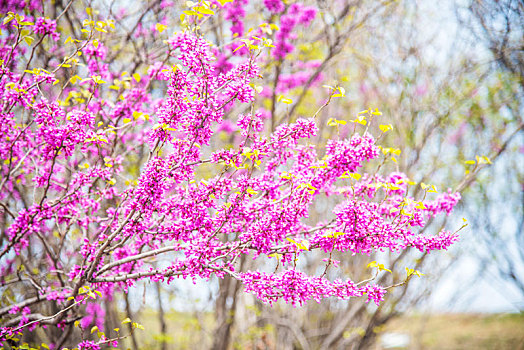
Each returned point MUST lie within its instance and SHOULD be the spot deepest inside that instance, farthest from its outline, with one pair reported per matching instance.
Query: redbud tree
(104, 169)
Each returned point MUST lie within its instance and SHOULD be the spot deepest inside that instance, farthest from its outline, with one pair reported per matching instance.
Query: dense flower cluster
(275, 6)
(296, 14)
(46, 26)
(71, 194)
(296, 287)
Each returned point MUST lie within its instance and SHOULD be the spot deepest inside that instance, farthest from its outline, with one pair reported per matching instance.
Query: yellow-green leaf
(9, 18)
(251, 191)
(386, 128)
(29, 40)
(160, 27)
(238, 48)
(204, 11)
(376, 112)
(483, 160)
(414, 272)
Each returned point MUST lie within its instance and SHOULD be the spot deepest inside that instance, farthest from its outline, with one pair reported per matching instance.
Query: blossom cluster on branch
(97, 225)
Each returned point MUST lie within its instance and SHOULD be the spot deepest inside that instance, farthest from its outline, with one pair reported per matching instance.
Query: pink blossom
(46, 26)
(274, 6)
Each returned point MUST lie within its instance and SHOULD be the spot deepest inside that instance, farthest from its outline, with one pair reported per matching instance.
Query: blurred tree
(446, 104)
(498, 197)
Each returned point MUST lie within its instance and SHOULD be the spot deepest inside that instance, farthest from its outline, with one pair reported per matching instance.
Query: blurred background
(448, 75)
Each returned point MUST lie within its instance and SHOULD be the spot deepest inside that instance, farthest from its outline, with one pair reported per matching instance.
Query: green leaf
(335, 122)
(413, 272)
(285, 100)
(334, 234)
(29, 40)
(360, 120)
(160, 27)
(341, 93)
(302, 246)
(238, 48)
(9, 18)
(386, 128)
(483, 160)
(204, 11)
(372, 264)
(251, 191)
(376, 112)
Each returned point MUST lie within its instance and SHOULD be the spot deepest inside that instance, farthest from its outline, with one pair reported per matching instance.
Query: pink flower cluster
(199, 207)
(274, 6)
(235, 13)
(296, 14)
(88, 345)
(46, 26)
(16, 5)
(297, 288)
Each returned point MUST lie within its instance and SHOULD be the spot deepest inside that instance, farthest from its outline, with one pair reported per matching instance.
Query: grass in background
(426, 332)
(461, 331)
